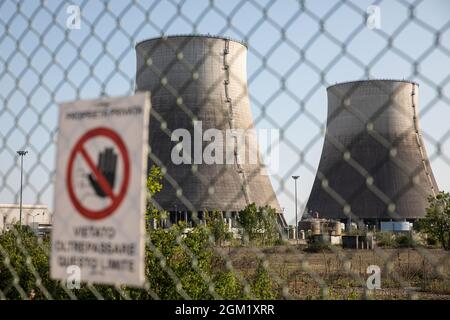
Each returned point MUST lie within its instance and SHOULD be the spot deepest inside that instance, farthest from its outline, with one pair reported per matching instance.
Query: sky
(307, 45)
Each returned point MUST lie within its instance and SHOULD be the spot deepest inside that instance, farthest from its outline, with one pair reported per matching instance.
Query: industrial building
(374, 167)
(32, 215)
(199, 83)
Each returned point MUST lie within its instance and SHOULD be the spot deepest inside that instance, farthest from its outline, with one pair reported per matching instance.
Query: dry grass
(341, 274)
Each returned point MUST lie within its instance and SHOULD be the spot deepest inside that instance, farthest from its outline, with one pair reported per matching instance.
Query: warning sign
(103, 175)
(100, 192)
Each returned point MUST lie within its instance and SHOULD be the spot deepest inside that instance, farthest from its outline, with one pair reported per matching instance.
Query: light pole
(33, 216)
(176, 214)
(296, 226)
(21, 153)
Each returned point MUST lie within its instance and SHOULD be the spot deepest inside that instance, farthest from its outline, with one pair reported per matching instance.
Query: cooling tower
(203, 79)
(373, 164)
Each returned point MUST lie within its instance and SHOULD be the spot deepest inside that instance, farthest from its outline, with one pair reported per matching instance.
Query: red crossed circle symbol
(116, 199)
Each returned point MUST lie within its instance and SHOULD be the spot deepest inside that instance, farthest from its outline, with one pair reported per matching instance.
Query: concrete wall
(10, 213)
(200, 78)
(373, 154)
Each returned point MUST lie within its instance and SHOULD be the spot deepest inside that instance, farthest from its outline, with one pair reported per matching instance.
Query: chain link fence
(53, 52)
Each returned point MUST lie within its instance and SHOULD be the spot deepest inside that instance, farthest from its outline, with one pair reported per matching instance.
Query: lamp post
(176, 214)
(296, 220)
(21, 153)
(33, 216)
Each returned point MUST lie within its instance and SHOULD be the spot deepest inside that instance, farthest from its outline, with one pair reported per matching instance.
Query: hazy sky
(43, 63)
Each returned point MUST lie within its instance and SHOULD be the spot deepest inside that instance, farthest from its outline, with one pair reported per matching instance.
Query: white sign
(100, 192)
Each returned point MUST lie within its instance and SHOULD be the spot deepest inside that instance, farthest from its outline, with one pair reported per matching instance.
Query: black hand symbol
(107, 166)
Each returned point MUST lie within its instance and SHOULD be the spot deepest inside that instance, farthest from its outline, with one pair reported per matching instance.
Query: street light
(33, 216)
(21, 153)
(296, 226)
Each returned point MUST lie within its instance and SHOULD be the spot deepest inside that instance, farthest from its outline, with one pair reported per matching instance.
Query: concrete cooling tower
(199, 83)
(374, 165)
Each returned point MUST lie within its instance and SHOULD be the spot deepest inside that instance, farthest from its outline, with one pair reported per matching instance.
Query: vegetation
(217, 227)
(436, 223)
(153, 216)
(228, 286)
(398, 240)
(167, 249)
(20, 249)
(406, 240)
(259, 225)
(385, 239)
(154, 184)
(314, 247)
(187, 265)
(262, 284)
(343, 274)
(178, 265)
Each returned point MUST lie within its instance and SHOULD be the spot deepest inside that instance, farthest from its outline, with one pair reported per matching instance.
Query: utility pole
(21, 153)
(296, 219)
(33, 216)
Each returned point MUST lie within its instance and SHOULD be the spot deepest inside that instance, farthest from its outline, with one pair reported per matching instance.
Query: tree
(217, 226)
(262, 286)
(16, 245)
(259, 225)
(177, 265)
(248, 221)
(269, 225)
(154, 185)
(170, 267)
(228, 286)
(436, 223)
(154, 179)
(24, 268)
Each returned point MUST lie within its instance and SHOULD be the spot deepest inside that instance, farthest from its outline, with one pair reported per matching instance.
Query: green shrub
(259, 225)
(385, 239)
(227, 286)
(436, 223)
(217, 227)
(315, 247)
(398, 240)
(404, 241)
(177, 264)
(262, 285)
(174, 265)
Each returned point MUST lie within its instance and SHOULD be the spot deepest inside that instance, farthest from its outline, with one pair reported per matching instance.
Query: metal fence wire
(267, 66)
